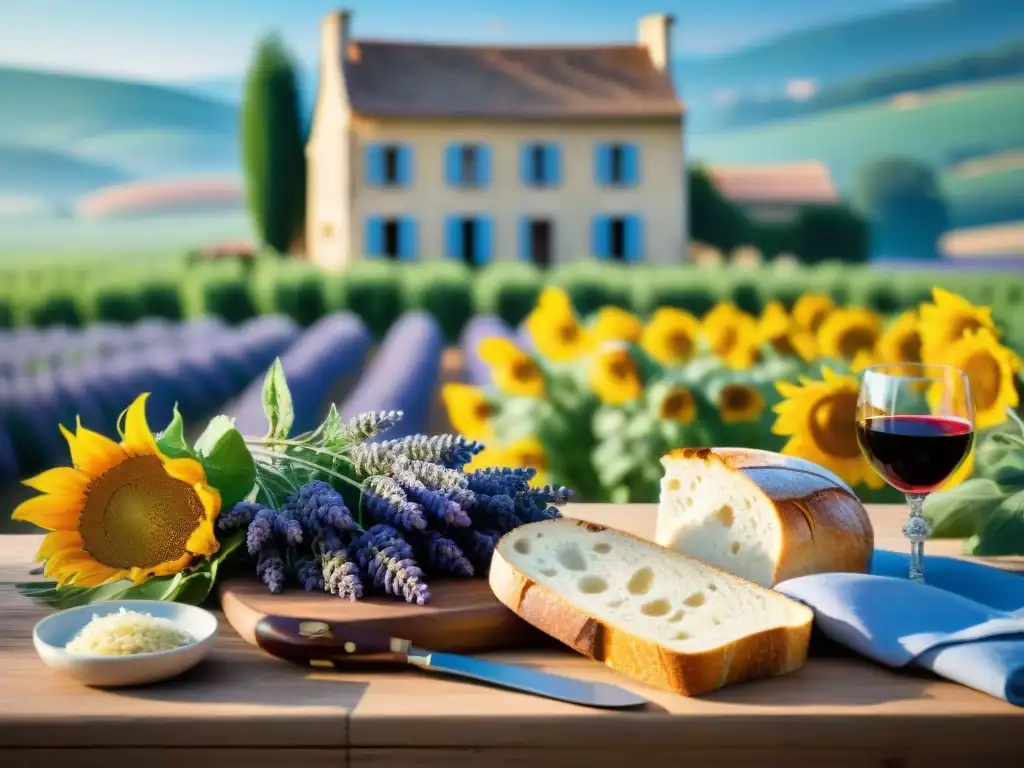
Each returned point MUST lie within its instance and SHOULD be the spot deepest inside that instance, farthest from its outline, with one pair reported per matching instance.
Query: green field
(992, 197)
(983, 119)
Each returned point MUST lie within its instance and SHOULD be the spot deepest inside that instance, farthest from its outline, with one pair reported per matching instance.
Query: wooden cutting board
(463, 616)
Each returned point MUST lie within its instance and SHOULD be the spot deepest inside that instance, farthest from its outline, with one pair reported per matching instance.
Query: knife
(333, 645)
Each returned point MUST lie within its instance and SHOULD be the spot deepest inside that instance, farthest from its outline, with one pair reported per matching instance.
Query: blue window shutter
(483, 165)
(452, 165)
(453, 237)
(404, 165)
(373, 236)
(634, 238)
(526, 164)
(524, 239)
(374, 160)
(599, 236)
(407, 238)
(603, 164)
(553, 164)
(631, 164)
(484, 244)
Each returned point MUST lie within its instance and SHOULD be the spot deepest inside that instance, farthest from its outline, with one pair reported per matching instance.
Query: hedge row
(381, 291)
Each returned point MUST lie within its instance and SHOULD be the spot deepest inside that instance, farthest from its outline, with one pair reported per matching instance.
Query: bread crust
(776, 651)
(825, 527)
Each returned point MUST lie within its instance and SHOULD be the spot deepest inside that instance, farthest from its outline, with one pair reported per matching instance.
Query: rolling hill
(51, 175)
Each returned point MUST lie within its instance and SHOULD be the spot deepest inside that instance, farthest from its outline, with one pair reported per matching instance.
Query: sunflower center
(483, 411)
(532, 459)
(737, 399)
(727, 340)
(621, 368)
(524, 370)
(817, 318)
(679, 344)
(909, 347)
(567, 333)
(985, 376)
(677, 404)
(833, 425)
(136, 516)
(961, 325)
(857, 340)
(782, 345)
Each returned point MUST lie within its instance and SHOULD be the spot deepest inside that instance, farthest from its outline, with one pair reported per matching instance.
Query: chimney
(334, 36)
(654, 33)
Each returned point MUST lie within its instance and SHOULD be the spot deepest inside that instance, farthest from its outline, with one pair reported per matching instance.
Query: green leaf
(171, 441)
(1009, 470)
(1003, 532)
(277, 402)
(229, 466)
(959, 512)
(608, 422)
(215, 430)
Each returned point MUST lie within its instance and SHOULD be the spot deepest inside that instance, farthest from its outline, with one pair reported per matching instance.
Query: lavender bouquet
(339, 510)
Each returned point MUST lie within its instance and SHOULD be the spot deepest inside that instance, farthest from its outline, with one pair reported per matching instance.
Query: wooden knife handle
(322, 643)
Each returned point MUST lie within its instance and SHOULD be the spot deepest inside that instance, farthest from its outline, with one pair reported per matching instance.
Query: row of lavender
(198, 366)
(205, 367)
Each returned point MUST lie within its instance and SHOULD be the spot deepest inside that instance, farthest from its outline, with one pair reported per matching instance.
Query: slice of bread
(762, 515)
(660, 617)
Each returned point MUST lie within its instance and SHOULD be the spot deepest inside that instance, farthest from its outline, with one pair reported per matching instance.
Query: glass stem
(916, 530)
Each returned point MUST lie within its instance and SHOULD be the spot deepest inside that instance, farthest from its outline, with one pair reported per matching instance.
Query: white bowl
(53, 633)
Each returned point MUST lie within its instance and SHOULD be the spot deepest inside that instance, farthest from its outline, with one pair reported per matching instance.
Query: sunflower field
(594, 401)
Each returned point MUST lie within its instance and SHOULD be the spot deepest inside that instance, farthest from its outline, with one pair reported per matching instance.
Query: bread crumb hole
(570, 557)
(615, 603)
(735, 548)
(540, 535)
(549, 572)
(695, 600)
(656, 607)
(712, 588)
(726, 516)
(673, 484)
(592, 585)
(688, 501)
(694, 482)
(677, 616)
(748, 504)
(522, 546)
(640, 583)
(681, 636)
(602, 548)
(715, 622)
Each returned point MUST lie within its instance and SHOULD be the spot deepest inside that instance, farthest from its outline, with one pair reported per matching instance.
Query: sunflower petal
(496, 351)
(93, 453)
(54, 513)
(203, 541)
(60, 481)
(57, 541)
(138, 438)
(187, 470)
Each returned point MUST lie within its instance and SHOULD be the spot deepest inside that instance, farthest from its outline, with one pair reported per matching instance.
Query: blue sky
(169, 40)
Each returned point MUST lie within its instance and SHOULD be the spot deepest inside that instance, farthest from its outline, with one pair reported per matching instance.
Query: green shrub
(116, 305)
(696, 290)
(444, 290)
(745, 291)
(372, 290)
(592, 285)
(162, 298)
(6, 312)
(508, 290)
(55, 309)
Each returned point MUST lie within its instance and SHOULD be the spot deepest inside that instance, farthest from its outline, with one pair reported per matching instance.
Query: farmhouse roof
(416, 80)
(808, 182)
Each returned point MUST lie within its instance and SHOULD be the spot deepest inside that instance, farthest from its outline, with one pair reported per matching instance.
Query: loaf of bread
(761, 515)
(665, 619)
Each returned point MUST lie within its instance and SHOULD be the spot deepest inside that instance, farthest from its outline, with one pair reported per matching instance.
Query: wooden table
(241, 708)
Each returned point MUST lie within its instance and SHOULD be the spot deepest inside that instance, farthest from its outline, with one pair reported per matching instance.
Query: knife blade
(334, 645)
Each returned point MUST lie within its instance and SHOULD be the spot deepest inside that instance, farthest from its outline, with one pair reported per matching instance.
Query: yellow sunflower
(614, 376)
(820, 419)
(990, 370)
(124, 511)
(777, 329)
(811, 309)
(469, 410)
(615, 324)
(671, 336)
(678, 405)
(731, 334)
(740, 402)
(514, 371)
(555, 329)
(527, 453)
(946, 319)
(848, 332)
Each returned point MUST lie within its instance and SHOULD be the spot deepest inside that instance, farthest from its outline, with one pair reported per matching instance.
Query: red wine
(915, 454)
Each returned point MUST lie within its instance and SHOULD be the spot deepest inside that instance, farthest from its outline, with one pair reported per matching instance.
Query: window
(392, 244)
(540, 165)
(617, 165)
(390, 237)
(468, 239)
(540, 242)
(388, 165)
(467, 165)
(617, 239)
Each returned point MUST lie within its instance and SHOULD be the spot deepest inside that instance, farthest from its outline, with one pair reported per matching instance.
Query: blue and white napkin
(966, 623)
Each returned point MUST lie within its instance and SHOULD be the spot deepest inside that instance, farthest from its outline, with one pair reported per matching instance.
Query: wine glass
(915, 425)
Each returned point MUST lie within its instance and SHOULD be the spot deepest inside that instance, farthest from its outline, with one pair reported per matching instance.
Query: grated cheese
(126, 633)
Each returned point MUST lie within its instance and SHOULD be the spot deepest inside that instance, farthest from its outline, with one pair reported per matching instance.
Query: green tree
(713, 219)
(904, 206)
(273, 146)
(830, 232)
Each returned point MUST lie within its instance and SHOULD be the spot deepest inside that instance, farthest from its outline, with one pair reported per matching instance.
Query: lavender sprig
(434, 502)
(266, 524)
(479, 546)
(309, 574)
(367, 425)
(385, 500)
(387, 560)
(443, 555)
(500, 480)
(340, 576)
(317, 506)
(498, 510)
(239, 516)
(270, 568)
